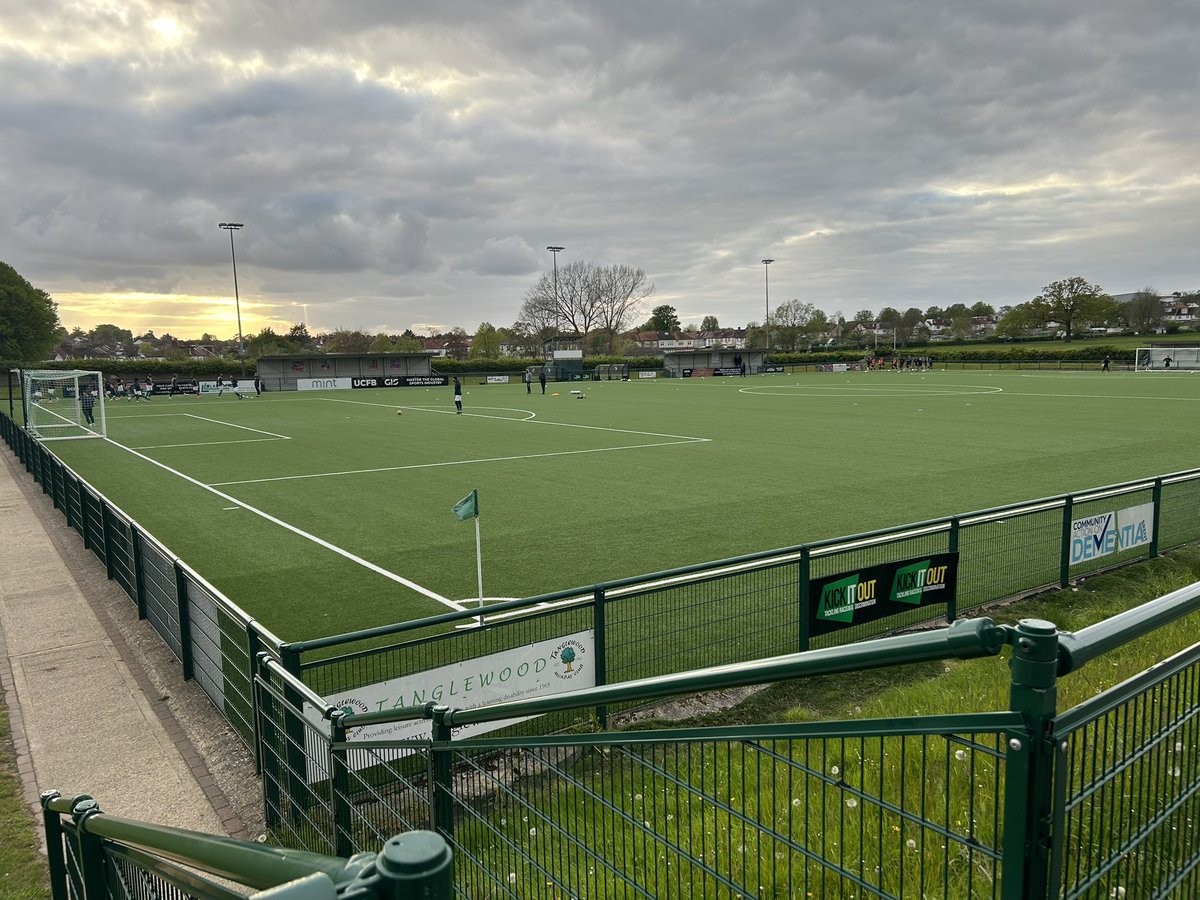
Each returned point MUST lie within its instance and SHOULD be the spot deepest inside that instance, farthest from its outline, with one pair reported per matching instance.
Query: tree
(709, 323)
(457, 342)
(347, 341)
(982, 309)
(934, 312)
(1073, 300)
(407, 342)
(486, 344)
(28, 318)
(909, 320)
(795, 323)
(1144, 312)
(663, 318)
(111, 335)
(299, 337)
(382, 343)
(956, 311)
(619, 294)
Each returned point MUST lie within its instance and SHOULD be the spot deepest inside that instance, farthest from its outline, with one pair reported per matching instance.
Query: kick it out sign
(1111, 532)
(877, 592)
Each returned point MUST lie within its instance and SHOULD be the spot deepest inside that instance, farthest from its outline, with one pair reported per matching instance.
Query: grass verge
(22, 868)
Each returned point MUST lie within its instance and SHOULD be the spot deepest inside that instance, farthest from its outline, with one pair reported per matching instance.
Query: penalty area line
(460, 462)
(320, 542)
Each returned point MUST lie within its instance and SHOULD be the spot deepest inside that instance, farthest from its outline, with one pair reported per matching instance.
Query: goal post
(63, 404)
(1167, 359)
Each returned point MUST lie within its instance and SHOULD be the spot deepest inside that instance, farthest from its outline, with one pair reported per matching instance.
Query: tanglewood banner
(877, 592)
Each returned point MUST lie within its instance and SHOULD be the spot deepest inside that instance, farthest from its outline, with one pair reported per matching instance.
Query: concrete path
(86, 715)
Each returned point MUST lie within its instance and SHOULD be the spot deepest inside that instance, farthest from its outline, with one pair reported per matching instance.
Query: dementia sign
(1111, 532)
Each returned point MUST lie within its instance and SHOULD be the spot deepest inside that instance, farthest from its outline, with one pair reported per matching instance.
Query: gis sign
(877, 592)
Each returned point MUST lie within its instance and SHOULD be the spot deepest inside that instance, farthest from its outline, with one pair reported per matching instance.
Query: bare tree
(620, 290)
(1145, 311)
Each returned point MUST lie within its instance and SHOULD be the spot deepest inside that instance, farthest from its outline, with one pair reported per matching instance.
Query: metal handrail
(1079, 647)
(965, 639)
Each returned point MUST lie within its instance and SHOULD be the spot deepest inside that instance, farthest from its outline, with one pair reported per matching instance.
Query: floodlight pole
(767, 312)
(231, 227)
(557, 309)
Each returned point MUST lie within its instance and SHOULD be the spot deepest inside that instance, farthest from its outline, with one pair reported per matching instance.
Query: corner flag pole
(479, 567)
(468, 508)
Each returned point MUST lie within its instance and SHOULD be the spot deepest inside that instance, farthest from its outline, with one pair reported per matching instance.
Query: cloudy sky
(405, 165)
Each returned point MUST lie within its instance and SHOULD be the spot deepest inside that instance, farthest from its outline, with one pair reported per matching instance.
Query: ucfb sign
(1111, 532)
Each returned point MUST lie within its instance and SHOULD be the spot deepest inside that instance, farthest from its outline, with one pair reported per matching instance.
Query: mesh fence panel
(221, 658)
(902, 813)
(385, 791)
(1179, 512)
(160, 593)
(120, 550)
(721, 619)
(1129, 768)
(296, 775)
(1010, 555)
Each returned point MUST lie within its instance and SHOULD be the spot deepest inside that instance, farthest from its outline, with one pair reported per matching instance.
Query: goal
(63, 404)
(1165, 359)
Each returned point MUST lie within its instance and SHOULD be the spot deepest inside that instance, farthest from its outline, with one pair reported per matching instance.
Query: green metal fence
(93, 856)
(1024, 802)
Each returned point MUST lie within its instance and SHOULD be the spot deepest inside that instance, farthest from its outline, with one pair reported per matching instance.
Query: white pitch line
(461, 462)
(206, 443)
(379, 570)
(682, 438)
(282, 437)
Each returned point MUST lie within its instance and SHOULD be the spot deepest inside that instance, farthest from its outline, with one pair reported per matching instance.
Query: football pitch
(322, 513)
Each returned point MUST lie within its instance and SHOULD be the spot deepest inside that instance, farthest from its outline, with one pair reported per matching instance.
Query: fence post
(339, 794)
(185, 622)
(804, 599)
(1064, 564)
(952, 602)
(253, 648)
(89, 849)
(266, 749)
(293, 731)
(599, 623)
(105, 532)
(1157, 516)
(139, 587)
(416, 864)
(55, 858)
(1029, 761)
(443, 774)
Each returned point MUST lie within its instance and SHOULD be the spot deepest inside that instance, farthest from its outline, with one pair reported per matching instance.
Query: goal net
(63, 404)
(1166, 359)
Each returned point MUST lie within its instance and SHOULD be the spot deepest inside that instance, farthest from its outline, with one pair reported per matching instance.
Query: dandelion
(1118, 891)
(960, 755)
(835, 771)
(910, 844)
(1176, 772)
(637, 797)
(851, 803)
(1178, 747)
(533, 832)
(796, 801)
(512, 877)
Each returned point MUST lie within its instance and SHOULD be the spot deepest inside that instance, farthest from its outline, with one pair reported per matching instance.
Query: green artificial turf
(356, 525)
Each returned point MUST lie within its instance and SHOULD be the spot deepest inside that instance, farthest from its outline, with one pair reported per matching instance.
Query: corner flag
(467, 507)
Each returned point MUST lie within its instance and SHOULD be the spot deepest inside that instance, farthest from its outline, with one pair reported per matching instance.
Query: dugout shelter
(286, 372)
(703, 363)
